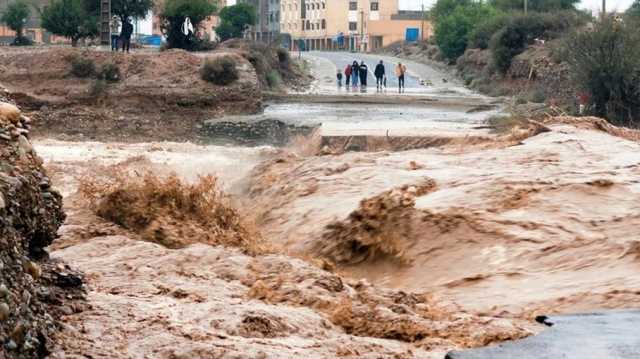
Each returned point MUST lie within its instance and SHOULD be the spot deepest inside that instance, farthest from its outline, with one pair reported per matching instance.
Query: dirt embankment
(534, 75)
(159, 95)
(34, 291)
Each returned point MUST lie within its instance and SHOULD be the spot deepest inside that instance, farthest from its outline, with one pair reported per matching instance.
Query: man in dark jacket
(125, 35)
(364, 72)
(379, 72)
(355, 72)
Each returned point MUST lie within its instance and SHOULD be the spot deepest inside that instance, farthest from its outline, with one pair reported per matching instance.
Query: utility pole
(526, 5)
(422, 23)
(361, 30)
(604, 9)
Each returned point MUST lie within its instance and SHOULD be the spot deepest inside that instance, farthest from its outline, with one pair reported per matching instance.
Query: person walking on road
(339, 78)
(401, 70)
(355, 72)
(114, 26)
(364, 72)
(125, 35)
(379, 73)
(347, 75)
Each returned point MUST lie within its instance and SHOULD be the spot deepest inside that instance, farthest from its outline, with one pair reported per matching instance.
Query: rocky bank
(32, 288)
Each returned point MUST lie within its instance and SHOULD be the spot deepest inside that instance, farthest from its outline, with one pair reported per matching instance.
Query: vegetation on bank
(484, 39)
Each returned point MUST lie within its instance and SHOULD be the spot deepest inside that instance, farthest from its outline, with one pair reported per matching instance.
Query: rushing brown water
(495, 232)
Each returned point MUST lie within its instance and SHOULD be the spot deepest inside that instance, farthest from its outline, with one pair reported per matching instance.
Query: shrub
(513, 38)
(444, 8)
(482, 33)
(98, 88)
(82, 67)
(273, 78)
(109, 72)
(605, 64)
(220, 71)
(283, 57)
(537, 95)
(452, 31)
(535, 5)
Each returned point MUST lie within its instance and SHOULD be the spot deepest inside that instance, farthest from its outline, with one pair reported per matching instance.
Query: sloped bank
(156, 95)
(31, 292)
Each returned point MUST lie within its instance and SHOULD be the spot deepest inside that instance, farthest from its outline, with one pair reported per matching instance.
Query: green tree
(15, 17)
(444, 8)
(605, 63)
(234, 20)
(175, 13)
(535, 5)
(634, 10)
(69, 18)
(452, 31)
(125, 9)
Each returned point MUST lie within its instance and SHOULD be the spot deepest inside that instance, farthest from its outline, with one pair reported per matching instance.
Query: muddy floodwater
(383, 229)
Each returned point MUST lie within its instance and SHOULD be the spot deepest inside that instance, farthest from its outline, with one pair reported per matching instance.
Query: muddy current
(492, 232)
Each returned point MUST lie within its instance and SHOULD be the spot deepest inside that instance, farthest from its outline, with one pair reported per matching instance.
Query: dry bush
(82, 67)
(220, 71)
(171, 212)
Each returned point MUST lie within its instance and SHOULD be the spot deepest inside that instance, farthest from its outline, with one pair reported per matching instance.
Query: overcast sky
(594, 5)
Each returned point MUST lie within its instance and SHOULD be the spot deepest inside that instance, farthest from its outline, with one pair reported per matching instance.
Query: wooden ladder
(105, 22)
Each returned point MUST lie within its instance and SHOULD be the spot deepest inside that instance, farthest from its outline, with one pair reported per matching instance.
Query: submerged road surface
(421, 79)
(607, 335)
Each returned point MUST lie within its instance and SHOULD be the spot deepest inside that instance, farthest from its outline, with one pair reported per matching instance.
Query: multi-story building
(267, 27)
(357, 25)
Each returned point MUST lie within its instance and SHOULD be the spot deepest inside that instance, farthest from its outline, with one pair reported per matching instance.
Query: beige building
(357, 25)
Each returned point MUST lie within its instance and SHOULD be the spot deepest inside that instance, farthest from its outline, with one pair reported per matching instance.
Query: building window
(353, 26)
(308, 25)
(324, 5)
(374, 6)
(324, 24)
(353, 5)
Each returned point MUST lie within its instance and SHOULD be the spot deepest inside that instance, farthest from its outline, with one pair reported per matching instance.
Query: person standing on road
(401, 70)
(347, 75)
(364, 72)
(339, 78)
(115, 28)
(125, 35)
(379, 73)
(355, 72)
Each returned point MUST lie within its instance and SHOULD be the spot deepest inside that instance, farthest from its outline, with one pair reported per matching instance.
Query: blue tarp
(153, 40)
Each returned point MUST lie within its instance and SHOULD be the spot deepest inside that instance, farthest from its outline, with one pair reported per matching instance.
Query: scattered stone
(24, 144)
(9, 112)
(33, 269)
(11, 345)
(4, 311)
(4, 291)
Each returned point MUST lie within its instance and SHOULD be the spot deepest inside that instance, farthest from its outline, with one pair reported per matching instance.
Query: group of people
(356, 74)
(126, 30)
